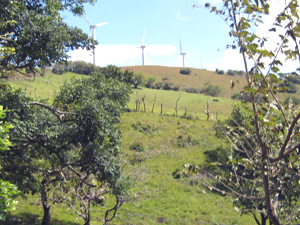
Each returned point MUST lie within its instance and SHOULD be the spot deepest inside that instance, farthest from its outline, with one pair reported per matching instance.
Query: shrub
(159, 85)
(230, 72)
(168, 86)
(221, 72)
(144, 127)
(185, 71)
(191, 90)
(176, 88)
(212, 90)
(58, 69)
(137, 146)
(235, 96)
(295, 100)
(150, 82)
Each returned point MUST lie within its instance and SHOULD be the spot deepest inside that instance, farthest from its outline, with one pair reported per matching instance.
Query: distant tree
(82, 67)
(150, 82)
(185, 71)
(73, 142)
(138, 79)
(114, 72)
(212, 90)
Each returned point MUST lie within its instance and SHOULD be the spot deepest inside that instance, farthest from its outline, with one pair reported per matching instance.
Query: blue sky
(203, 35)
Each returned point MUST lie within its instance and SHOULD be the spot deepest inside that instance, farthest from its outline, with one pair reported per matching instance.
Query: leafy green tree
(39, 35)
(264, 159)
(138, 80)
(7, 190)
(72, 143)
(114, 72)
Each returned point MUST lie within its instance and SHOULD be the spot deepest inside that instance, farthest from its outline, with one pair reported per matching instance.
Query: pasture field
(163, 143)
(197, 78)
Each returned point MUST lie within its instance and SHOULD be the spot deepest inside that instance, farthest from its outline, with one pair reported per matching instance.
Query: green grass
(162, 198)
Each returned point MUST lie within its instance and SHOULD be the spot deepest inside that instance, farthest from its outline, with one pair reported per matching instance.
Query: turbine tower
(142, 46)
(182, 53)
(92, 28)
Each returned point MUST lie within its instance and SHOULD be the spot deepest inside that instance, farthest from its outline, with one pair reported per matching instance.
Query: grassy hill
(165, 142)
(197, 78)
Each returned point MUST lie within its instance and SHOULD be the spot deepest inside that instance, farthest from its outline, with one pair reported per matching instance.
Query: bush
(58, 69)
(185, 71)
(235, 96)
(176, 88)
(150, 82)
(137, 146)
(168, 86)
(221, 72)
(212, 90)
(159, 85)
(295, 100)
(191, 90)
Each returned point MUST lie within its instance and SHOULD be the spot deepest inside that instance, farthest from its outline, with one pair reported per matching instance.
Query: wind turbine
(182, 53)
(142, 46)
(92, 28)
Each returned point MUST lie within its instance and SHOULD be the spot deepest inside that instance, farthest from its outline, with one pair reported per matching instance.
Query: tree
(138, 80)
(7, 190)
(39, 35)
(114, 72)
(72, 143)
(264, 163)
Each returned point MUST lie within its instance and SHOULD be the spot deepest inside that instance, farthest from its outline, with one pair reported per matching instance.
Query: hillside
(197, 79)
(163, 142)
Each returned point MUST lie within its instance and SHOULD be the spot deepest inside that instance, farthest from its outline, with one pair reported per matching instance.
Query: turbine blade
(143, 37)
(86, 19)
(90, 32)
(101, 24)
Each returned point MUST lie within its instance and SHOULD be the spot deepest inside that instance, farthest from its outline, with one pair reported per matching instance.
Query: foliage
(144, 127)
(82, 67)
(73, 142)
(7, 190)
(185, 71)
(137, 146)
(291, 100)
(58, 69)
(212, 90)
(150, 82)
(221, 72)
(39, 35)
(113, 72)
(264, 163)
(235, 72)
(138, 80)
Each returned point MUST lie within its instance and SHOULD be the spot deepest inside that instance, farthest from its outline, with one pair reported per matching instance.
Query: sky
(203, 35)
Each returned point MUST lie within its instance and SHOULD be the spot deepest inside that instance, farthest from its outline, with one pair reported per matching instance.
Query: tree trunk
(46, 206)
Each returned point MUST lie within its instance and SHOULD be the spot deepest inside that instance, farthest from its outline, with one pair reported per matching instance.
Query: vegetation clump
(185, 71)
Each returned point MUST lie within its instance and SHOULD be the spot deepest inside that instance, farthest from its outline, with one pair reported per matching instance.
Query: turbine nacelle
(93, 28)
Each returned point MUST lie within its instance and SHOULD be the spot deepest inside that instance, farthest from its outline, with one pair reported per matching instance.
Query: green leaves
(40, 37)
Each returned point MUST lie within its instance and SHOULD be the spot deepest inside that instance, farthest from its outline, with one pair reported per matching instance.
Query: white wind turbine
(92, 28)
(142, 46)
(182, 53)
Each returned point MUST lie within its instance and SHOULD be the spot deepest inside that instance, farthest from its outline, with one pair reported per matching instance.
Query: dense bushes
(212, 90)
(185, 71)
(230, 72)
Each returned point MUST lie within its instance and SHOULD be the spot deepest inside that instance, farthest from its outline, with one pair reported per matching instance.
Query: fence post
(161, 108)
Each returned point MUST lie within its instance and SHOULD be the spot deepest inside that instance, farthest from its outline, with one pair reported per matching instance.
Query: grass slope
(197, 79)
(167, 141)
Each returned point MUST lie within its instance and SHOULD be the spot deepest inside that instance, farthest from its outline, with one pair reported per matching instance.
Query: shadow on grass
(33, 219)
